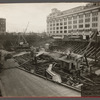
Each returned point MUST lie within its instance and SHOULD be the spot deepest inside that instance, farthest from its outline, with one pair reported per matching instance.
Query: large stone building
(2, 26)
(82, 20)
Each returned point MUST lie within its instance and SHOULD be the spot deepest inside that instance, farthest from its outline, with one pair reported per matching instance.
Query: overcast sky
(18, 15)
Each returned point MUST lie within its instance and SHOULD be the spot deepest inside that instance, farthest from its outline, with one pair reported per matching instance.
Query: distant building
(82, 20)
(2, 26)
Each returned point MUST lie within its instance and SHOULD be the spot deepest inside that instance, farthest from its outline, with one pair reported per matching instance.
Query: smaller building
(2, 26)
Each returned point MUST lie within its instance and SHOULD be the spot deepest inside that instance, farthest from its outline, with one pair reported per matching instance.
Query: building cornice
(78, 12)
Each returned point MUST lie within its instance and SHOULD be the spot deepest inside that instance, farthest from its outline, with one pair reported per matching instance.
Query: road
(15, 82)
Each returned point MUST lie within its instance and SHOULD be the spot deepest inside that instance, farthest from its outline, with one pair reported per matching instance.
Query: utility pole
(96, 46)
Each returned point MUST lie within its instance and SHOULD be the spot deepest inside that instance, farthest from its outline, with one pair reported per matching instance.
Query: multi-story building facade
(2, 26)
(82, 20)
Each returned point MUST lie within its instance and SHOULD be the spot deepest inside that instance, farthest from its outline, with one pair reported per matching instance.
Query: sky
(20, 15)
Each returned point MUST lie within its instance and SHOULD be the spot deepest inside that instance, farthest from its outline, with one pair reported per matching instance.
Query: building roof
(2, 18)
(79, 9)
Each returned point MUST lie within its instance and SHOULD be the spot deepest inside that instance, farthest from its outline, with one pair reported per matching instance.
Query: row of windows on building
(2, 23)
(69, 31)
(75, 26)
(2, 29)
(94, 19)
(87, 18)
